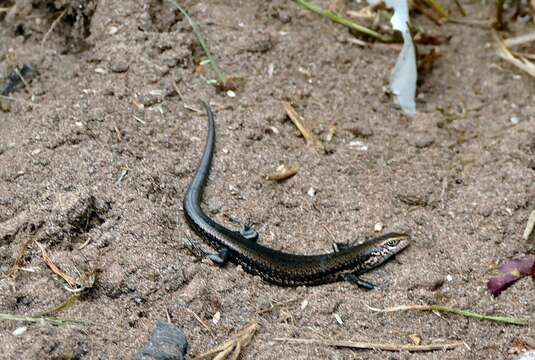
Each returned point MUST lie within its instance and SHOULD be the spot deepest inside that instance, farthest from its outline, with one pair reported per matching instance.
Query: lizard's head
(382, 248)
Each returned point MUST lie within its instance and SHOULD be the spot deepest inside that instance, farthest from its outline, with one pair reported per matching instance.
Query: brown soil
(459, 177)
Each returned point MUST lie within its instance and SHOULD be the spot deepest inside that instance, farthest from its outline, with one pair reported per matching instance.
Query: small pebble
(304, 304)
(231, 94)
(216, 317)
(311, 192)
(515, 120)
(19, 331)
(378, 227)
(449, 278)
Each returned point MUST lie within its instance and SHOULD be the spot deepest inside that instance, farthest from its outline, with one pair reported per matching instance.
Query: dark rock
(167, 342)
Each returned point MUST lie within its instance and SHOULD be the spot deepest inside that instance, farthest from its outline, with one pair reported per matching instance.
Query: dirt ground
(96, 154)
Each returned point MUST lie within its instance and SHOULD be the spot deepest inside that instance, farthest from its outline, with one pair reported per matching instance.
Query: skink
(277, 267)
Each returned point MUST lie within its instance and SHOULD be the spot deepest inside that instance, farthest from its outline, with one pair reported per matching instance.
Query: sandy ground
(458, 176)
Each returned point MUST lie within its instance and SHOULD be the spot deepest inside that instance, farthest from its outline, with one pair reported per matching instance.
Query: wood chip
(283, 172)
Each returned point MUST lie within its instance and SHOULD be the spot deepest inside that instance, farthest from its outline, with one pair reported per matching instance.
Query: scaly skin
(277, 267)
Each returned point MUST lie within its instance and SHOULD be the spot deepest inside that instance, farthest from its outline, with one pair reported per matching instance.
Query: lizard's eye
(392, 243)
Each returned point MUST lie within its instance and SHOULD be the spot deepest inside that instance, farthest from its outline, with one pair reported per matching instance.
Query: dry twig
(519, 40)
(54, 24)
(374, 346)
(298, 121)
(233, 346)
(204, 325)
(519, 62)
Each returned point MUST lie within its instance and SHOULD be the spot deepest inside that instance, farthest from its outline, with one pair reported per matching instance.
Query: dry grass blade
(54, 24)
(342, 20)
(460, 7)
(18, 261)
(69, 279)
(437, 8)
(201, 322)
(519, 62)
(466, 313)
(375, 346)
(22, 101)
(49, 320)
(298, 121)
(519, 40)
(71, 300)
(213, 63)
(233, 346)
(529, 226)
(76, 285)
(524, 55)
(428, 13)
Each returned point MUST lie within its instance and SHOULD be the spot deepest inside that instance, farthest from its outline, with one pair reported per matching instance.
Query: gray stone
(167, 342)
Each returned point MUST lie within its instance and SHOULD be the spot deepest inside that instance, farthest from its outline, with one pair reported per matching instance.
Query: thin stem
(215, 66)
(342, 20)
(467, 313)
(50, 320)
(437, 8)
